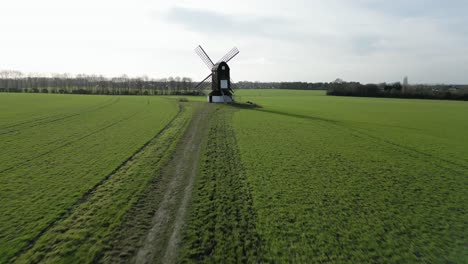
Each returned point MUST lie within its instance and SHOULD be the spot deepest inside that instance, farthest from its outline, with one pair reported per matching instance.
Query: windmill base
(220, 98)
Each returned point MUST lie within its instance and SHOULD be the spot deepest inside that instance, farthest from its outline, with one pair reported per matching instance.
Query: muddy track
(160, 244)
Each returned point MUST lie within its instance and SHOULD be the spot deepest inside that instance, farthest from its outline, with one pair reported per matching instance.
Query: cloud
(220, 24)
(310, 40)
(365, 40)
(291, 30)
(418, 8)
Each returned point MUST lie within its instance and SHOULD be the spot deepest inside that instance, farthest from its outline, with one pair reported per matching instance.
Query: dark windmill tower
(221, 87)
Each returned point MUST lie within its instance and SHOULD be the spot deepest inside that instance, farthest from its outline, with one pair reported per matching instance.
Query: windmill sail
(233, 85)
(200, 84)
(231, 54)
(205, 58)
(204, 85)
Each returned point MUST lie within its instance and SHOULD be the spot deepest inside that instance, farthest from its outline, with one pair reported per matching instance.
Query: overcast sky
(295, 40)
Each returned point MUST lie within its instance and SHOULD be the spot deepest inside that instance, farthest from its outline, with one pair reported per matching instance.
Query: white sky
(295, 40)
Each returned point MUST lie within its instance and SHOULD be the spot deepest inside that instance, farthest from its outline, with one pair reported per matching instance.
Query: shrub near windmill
(221, 84)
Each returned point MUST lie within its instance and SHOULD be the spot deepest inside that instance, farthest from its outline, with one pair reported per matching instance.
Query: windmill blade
(233, 86)
(205, 58)
(231, 54)
(200, 85)
(205, 86)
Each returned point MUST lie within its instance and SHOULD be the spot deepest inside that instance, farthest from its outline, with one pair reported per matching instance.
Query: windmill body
(221, 84)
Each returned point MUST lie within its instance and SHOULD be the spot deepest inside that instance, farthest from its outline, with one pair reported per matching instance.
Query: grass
(356, 179)
(147, 230)
(303, 178)
(221, 224)
(56, 151)
(88, 234)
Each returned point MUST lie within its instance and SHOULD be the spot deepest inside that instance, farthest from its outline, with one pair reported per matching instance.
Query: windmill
(221, 87)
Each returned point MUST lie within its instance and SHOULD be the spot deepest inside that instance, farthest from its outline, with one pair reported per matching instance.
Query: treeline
(397, 90)
(282, 85)
(17, 82)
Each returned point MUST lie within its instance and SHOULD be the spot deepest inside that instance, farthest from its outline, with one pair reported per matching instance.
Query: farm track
(69, 143)
(160, 243)
(69, 211)
(59, 117)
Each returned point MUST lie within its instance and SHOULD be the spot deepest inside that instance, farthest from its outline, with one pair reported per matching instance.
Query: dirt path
(161, 243)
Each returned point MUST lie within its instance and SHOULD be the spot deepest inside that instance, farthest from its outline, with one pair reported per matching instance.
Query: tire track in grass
(69, 211)
(8, 132)
(58, 117)
(359, 133)
(412, 150)
(431, 159)
(70, 142)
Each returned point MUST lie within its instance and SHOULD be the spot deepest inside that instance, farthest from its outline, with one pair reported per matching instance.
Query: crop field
(302, 178)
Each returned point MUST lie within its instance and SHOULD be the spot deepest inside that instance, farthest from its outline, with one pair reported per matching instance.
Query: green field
(338, 179)
(57, 149)
(303, 178)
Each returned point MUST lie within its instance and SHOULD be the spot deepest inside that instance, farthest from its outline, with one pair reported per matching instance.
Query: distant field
(334, 179)
(56, 149)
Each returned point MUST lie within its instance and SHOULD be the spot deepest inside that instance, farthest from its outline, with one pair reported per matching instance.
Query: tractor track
(161, 242)
(427, 157)
(69, 143)
(9, 132)
(430, 159)
(415, 153)
(37, 122)
(64, 215)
